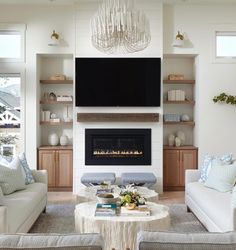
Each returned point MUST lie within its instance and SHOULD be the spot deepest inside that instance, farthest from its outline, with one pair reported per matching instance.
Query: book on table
(142, 210)
(105, 209)
(104, 191)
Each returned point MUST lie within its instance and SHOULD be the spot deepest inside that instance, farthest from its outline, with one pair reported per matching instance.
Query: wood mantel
(118, 117)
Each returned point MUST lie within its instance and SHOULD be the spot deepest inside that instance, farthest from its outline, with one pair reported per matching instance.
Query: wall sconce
(54, 39)
(179, 40)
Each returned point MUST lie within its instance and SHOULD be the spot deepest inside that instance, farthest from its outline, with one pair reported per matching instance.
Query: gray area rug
(60, 219)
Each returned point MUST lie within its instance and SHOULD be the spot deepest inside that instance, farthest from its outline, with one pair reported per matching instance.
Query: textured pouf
(139, 179)
(97, 178)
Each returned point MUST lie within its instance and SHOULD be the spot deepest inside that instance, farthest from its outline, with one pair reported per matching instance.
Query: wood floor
(68, 197)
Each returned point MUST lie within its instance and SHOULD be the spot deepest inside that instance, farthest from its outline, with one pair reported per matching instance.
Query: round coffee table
(120, 232)
(87, 194)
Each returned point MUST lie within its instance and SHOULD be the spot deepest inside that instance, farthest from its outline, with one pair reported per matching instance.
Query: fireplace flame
(117, 152)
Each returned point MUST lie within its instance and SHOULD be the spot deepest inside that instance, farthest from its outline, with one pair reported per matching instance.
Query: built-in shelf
(179, 81)
(56, 81)
(186, 147)
(117, 117)
(190, 102)
(47, 147)
(190, 123)
(56, 123)
(56, 102)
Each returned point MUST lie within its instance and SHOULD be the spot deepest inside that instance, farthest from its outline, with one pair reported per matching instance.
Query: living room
(54, 34)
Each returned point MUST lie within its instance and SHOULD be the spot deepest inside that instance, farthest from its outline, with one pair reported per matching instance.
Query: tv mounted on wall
(124, 82)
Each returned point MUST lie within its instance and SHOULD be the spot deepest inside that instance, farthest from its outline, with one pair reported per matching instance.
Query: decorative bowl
(107, 198)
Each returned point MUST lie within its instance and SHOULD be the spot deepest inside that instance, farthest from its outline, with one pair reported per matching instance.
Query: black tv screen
(124, 82)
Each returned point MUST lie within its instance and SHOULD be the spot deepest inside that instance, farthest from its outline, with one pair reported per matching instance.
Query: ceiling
(70, 2)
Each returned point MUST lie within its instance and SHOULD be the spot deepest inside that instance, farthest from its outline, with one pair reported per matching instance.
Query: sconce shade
(54, 39)
(179, 40)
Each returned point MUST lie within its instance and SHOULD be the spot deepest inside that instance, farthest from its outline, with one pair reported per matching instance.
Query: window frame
(13, 29)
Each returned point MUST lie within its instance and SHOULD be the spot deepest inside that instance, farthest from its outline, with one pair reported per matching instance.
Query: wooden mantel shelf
(117, 117)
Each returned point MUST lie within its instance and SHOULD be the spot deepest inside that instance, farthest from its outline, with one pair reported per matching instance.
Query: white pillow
(222, 178)
(213, 160)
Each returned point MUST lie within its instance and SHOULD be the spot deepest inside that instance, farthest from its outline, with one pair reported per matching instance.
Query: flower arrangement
(130, 197)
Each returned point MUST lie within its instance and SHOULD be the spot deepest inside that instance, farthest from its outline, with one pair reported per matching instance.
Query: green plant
(224, 98)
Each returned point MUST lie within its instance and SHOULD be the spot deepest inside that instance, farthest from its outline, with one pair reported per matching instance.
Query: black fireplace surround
(117, 146)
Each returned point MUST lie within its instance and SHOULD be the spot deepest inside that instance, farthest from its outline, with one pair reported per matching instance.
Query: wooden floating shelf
(56, 123)
(180, 102)
(56, 102)
(56, 81)
(179, 81)
(117, 117)
(46, 147)
(186, 147)
(190, 123)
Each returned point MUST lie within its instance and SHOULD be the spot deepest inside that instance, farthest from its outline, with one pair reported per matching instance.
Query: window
(12, 42)
(226, 44)
(10, 115)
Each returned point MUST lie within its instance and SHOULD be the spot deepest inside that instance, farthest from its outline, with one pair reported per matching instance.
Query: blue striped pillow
(28, 173)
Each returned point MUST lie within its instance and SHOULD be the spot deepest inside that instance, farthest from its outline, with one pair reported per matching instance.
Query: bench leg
(188, 210)
(44, 211)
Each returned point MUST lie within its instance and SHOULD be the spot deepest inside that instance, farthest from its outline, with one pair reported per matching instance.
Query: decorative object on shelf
(119, 27)
(179, 40)
(53, 139)
(64, 140)
(45, 116)
(185, 118)
(53, 116)
(175, 77)
(54, 39)
(171, 118)
(225, 98)
(58, 77)
(181, 136)
(67, 118)
(171, 140)
(130, 197)
(64, 98)
(52, 97)
(176, 95)
(177, 142)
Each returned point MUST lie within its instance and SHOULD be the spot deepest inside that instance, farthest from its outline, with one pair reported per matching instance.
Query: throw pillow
(11, 180)
(222, 178)
(28, 172)
(212, 160)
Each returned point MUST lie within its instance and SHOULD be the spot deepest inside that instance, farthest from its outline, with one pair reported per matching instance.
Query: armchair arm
(3, 220)
(40, 176)
(192, 175)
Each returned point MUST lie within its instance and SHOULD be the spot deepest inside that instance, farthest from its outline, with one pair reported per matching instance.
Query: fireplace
(117, 146)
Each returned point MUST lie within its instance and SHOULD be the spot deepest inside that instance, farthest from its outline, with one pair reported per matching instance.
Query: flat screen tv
(121, 82)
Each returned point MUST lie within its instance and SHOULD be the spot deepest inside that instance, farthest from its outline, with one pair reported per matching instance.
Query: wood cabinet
(176, 161)
(58, 162)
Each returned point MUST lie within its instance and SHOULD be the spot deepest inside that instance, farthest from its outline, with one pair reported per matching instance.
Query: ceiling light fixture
(118, 27)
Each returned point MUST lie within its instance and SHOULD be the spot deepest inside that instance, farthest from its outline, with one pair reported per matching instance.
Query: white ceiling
(70, 2)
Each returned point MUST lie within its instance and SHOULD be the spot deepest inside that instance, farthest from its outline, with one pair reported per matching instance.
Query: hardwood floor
(68, 197)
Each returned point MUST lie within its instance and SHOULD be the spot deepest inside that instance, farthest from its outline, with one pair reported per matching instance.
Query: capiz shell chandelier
(118, 27)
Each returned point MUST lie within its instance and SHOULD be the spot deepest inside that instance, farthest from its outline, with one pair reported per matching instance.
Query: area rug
(59, 218)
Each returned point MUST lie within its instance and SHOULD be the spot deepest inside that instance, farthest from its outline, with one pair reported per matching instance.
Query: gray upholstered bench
(139, 179)
(97, 178)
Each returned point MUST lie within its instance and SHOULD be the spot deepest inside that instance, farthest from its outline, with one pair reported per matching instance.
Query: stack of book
(176, 95)
(104, 191)
(142, 210)
(105, 209)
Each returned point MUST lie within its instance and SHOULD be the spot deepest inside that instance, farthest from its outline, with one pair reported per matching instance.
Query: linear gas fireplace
(117, 146)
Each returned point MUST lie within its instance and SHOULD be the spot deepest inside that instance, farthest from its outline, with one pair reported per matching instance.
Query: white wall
(40, 21)
(84, 48)
(215, 122)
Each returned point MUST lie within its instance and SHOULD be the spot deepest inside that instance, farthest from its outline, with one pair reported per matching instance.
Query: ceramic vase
(181, 136)
(53, 139)
(63, 140)
(177, 142)
(171, 140)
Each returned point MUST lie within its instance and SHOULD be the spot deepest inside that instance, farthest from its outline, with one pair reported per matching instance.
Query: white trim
(20, 29)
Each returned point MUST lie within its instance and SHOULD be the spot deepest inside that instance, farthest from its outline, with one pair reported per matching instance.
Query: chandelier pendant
(118, 27)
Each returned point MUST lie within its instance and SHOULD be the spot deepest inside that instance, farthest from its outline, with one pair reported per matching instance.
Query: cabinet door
(188, 160)
(171, 168)
(47, 159)
(64, 168)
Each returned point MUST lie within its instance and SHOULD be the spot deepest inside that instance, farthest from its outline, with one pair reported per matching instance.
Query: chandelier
(118, 27)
